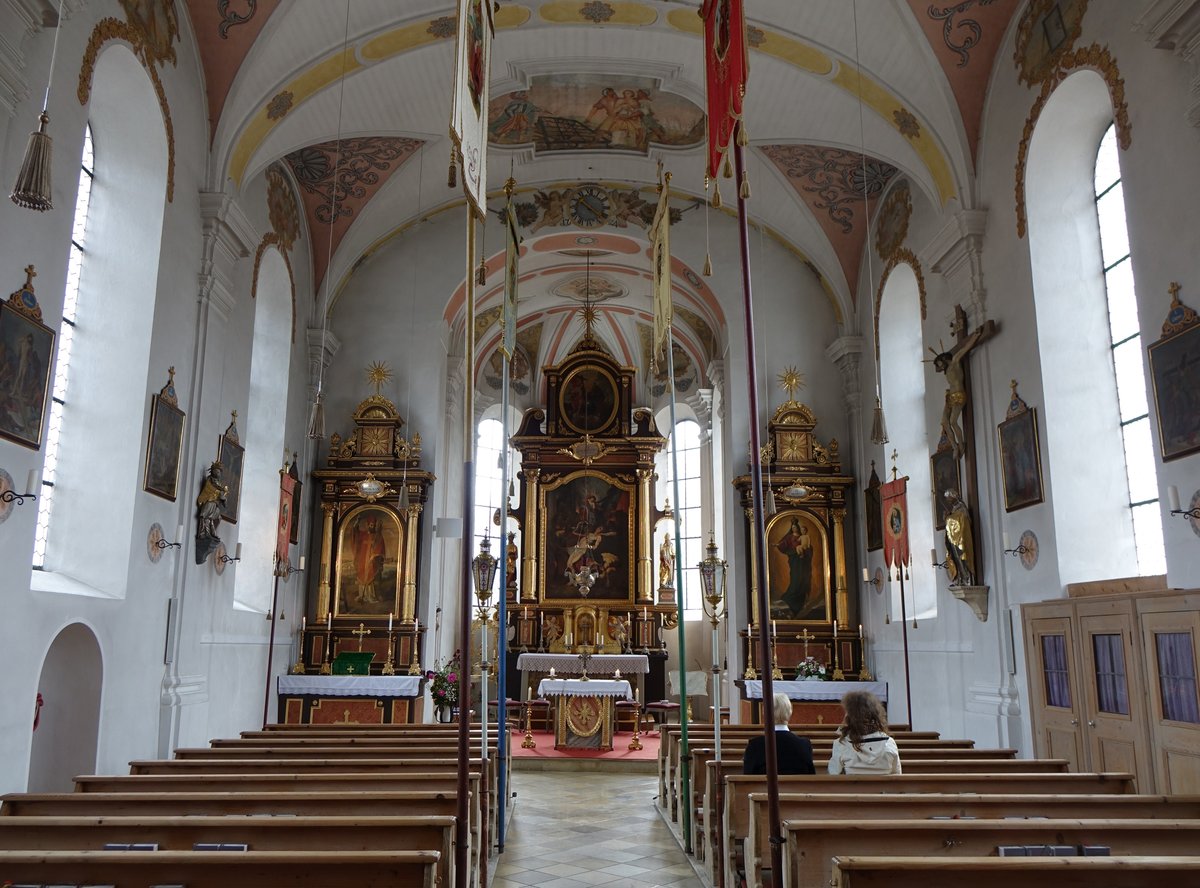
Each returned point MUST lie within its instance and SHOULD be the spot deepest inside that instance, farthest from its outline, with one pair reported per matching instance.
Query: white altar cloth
(569, 664)
(697, 683)
(817, 690)
(574, 687)
(352, 685)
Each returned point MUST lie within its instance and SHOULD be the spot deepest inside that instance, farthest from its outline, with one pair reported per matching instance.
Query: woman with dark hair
(862, 745)
(794, 755)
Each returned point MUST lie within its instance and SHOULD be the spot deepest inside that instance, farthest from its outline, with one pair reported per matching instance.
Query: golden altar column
(408, 599)
(529, 537)
(839, 560)
(645, 539)
(326, 555)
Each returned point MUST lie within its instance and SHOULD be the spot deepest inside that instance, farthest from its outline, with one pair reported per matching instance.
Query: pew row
(1004, 872)
(223, 869)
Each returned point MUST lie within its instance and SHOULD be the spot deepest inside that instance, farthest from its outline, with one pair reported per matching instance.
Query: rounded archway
(67, 727)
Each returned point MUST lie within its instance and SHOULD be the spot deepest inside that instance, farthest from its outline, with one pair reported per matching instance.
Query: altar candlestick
(866, 575)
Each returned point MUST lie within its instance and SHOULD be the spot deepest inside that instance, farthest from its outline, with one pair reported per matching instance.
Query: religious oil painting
(297, 505)
(588, 538)
(231, 456)
(873, 511)
(26, 356)
(1175, 372)
(163, 448)
(943, 476)
(1020, 460)
(797, 567)
(576, 112)
(588, 400)
(369, 544)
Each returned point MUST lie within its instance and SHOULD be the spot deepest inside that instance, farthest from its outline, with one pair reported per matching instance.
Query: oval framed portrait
(587, 400)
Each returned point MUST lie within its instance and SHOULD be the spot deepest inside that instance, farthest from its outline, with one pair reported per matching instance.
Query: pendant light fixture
(32, 188)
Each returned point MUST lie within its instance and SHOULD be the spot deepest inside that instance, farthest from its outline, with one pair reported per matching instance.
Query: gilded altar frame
(371, 540)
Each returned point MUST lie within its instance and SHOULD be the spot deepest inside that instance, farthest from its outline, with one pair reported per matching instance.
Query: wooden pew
(223, 869)
(367, 803)
(1005, 872)
(182, 833)
(733, 822)
(795, 807)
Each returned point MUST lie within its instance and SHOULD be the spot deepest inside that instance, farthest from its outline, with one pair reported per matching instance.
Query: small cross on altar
(360, 632)
(806, 637)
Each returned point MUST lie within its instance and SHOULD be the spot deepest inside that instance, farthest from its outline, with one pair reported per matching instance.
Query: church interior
(931, 301)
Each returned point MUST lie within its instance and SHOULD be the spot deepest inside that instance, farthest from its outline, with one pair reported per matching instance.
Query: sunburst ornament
(378, 374)
(792, 380)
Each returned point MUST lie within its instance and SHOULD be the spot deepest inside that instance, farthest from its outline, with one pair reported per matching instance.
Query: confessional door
(1054, 686)
(1170, 638)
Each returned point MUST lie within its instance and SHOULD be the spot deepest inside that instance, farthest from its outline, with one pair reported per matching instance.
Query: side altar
(363, 598)
(589, 578)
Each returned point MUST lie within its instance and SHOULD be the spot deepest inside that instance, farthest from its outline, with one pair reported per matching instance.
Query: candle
(1173, 498)
(179, 534)
(541, 619)
(31, 479)
(329, 620)
(860, 635)
(303, 624)
(389, 621)
(237, 553)
(302, 562)
(866, 575)
(637, 694)
(933, 557)
(774, 627)
(644, 617)
(1007, 540)
(835, 628)
(552, 672)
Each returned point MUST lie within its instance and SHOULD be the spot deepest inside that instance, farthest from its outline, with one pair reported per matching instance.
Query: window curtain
(1112, 687)
(1177, 676)
(1054, 658)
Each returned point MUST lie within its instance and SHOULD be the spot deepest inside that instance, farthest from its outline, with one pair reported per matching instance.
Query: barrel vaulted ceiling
(819, 134)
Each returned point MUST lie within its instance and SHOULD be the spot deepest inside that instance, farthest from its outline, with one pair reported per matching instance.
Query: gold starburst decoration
(791, 379)
(378, 374)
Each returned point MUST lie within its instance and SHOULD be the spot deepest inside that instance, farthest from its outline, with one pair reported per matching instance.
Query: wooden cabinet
(1113, 685)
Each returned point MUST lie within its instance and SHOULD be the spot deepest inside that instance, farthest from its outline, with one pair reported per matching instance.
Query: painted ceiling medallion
(908, 125)
(591, 287)
(442, 27)
(1047, 31)
(280, 105)
(893, 220)
(596, 11)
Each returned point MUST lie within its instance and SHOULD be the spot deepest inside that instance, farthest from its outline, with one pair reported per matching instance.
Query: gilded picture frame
(588, 521)
(588, 400)
(1020, 460)
(1175, 375)
(164, 448)
(798, 575)
(26, 361)
(368, 562)
(232, 455)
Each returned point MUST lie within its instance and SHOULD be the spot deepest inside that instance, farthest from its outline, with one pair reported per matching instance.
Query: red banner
(287, 504)
(894, 506)
(727, 67)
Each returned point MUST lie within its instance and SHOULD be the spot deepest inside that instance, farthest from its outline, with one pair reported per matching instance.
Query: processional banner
(283, 530)
(660, 238)
(727, 67)
(469, 112)
(512, 257)
(894, 499)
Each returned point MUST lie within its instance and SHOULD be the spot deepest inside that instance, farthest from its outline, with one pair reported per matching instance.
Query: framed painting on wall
(588, 400)
(943, 476)
(164, 443)
(26, 358)
(797, 567)
(588, 524)
(370, 540)
(872, 505)
(1175, 373)
(1020, 456)
(231, 454)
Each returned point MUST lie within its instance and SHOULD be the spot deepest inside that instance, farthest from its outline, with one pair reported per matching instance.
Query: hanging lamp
(32, 189)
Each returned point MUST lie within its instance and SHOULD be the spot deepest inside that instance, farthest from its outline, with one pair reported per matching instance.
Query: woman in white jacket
(862, 745)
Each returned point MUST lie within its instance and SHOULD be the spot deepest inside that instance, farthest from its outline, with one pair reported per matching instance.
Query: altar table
(584, 710)
(813, 702)
(637, 665)
(348, 699)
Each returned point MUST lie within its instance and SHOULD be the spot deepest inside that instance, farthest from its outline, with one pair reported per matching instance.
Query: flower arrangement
(443, 682)
(810, 669)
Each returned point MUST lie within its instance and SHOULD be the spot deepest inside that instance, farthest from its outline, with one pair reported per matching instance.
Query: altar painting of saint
(797, 569)
(368, 563)
(588, 527)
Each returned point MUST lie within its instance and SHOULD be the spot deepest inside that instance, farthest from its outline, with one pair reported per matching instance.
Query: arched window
(903, 391)
(687, 444)
(269, 359)
(1099, 457)
(101, 415)
(490, 454)
(62, 360)
(1126, 343)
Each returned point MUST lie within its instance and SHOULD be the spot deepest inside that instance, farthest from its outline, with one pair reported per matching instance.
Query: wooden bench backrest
(1005, 872)
(366, 803)
(223, 869)
(300, 765)
(279, 782)
(344, 751)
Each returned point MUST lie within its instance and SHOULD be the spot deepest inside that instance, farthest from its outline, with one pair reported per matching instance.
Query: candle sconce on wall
(9, 495)
(223, 556)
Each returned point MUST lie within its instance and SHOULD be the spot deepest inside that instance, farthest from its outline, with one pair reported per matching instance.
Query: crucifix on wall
(957, 419)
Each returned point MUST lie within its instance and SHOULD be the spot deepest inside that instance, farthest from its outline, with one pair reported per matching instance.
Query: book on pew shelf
(130, 846)
(1064, 850)
(220, 846)
(1038, 851)
(1012, 851)
(1094, 851)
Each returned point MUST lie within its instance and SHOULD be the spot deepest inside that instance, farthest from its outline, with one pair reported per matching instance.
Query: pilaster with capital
(956, 253)
(645, 531)
(846, 354)
(839, 560)
(529, 536)
(408, 598)
(752, 571)
(326, 560)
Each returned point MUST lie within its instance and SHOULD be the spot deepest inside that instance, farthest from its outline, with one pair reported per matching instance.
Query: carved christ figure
(950, 363)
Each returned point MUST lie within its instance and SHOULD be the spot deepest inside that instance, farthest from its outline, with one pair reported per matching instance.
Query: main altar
(588, 581)
(584, 717)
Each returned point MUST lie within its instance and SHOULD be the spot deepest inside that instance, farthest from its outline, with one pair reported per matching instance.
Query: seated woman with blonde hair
(862, 745)
(793, 754)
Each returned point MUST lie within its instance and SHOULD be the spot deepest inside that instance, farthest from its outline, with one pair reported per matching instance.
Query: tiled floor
(571, 830)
